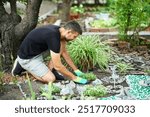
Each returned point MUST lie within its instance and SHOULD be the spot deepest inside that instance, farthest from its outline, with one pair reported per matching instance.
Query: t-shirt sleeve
(54, 42)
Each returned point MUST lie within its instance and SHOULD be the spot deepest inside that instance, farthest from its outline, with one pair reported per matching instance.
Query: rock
(97, 82)
(71, 85)
(66, 91)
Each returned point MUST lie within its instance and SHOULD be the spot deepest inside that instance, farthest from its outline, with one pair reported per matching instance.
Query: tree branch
(31, 18)
(2, 9)
(13, 6)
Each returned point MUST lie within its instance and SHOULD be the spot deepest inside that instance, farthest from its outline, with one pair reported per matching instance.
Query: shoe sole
(14, 66)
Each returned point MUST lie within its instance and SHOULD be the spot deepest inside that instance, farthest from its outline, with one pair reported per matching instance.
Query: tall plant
(87, 51)
(131, 15)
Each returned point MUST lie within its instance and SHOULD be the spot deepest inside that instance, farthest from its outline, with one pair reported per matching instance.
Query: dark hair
(74, 26)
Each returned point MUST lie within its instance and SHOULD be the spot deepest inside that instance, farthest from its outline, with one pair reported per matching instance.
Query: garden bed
(11, 90)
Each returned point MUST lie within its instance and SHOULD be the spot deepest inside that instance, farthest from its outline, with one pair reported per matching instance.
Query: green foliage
(23, 1)
(87, 51)
(147, 71)
(77, 9)
(89, 76)
(48, 91)
(124, 67)
(103, 23)
(97, 91)
(131, 15)
(33, 96)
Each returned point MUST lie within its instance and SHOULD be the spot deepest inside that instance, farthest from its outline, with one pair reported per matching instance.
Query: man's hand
(80, 80)
(78, 72)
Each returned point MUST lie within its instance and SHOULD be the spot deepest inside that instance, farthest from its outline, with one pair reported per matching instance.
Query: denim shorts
(35, 65)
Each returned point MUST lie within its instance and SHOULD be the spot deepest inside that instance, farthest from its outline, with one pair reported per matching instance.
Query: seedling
(97, 91)
(48, 91)
(89, 76)
(123, 67)
(30, 87)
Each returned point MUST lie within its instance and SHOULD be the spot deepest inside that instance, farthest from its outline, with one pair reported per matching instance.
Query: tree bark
(65, 11)
(13, 29)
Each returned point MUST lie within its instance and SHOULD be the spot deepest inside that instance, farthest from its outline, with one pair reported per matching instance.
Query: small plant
(47, 91)
(147, 71)
(87, 51)
(89, 76)
(103, 23)
(33, 96)
(96, 91)
(124, 67)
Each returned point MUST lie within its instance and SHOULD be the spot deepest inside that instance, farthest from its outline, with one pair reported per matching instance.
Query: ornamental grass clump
(88, 51)
(96, 91)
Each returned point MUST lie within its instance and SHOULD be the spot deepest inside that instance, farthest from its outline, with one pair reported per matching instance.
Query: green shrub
(87, 51)
(103, 23)
(131, 15)
(97, 91)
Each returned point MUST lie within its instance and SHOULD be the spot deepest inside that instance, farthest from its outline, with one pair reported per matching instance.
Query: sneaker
(17, 69)
(57, 75)
(145, 83)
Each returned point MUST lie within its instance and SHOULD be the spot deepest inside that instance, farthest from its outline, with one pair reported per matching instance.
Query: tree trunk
(13, 30)
(65, 11)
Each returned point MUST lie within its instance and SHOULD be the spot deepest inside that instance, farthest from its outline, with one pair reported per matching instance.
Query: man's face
(71, 35)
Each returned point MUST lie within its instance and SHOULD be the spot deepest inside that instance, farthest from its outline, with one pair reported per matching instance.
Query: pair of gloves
(79, 79)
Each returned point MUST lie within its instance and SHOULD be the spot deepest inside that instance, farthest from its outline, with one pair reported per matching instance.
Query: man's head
(71, 30)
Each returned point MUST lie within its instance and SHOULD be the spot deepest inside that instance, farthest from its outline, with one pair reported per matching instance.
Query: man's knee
(49, 77)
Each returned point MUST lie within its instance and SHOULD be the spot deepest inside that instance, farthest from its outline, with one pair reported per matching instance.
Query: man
(54, 39)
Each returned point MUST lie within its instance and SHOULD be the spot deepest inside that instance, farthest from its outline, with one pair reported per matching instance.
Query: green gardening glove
(80, 80)
(78, 72)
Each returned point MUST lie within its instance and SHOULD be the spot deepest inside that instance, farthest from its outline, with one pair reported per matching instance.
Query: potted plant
(76, 11)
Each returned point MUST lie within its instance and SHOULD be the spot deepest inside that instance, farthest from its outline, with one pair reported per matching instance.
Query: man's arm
(66, 56)
(59, 66)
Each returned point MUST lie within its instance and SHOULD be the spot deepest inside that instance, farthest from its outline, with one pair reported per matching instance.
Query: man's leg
(37, 68)
(17, 69)
(47, 78)
(58, 76)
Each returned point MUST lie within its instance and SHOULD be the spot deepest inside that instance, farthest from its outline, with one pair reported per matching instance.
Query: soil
(10, 91)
